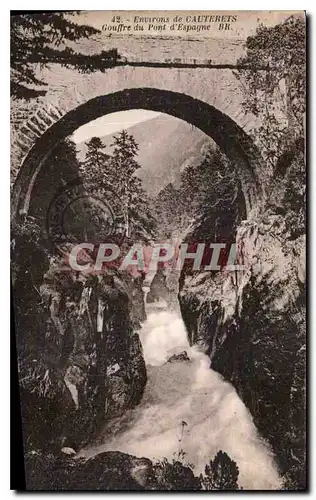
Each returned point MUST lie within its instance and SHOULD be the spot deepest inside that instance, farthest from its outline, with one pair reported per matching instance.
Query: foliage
(64, 152)
(30, 260)
(294, 200)
(175, 475)
(169, 210)
(218, 201)
(96, 166)
(264, 357)
(27, 236)
(43, 39)
(125, 150)
(281, 50)
(27, 229)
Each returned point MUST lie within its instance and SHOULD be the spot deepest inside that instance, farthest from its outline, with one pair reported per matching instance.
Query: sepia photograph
(158, 249)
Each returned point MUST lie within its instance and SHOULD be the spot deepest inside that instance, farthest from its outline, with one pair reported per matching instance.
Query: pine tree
(170, 211)
(96, 166)
(281, 142)
(221, 474)
(42, 39)
(288, 62)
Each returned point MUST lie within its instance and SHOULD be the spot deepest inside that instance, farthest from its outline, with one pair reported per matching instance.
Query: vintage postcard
(158, 249)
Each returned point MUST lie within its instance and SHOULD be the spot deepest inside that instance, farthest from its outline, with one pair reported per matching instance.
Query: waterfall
(188, 407)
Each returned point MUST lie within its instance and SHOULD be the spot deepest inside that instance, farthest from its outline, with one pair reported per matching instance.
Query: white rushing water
(190, 392)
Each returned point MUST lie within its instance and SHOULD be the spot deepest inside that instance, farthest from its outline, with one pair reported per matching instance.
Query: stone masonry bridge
(197, 85)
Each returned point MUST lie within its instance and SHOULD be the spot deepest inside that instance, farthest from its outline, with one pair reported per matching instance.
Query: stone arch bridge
(202, 92)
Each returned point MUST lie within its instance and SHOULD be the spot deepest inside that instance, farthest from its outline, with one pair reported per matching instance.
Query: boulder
(176, 358)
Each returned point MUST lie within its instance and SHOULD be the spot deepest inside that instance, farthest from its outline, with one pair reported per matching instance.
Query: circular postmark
(85, 212)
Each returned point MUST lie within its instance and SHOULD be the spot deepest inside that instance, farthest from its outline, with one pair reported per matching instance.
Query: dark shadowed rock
(158, 288)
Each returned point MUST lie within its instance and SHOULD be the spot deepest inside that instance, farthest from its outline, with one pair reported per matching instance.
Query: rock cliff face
(158, 288)
(252, 324)
(79, 355)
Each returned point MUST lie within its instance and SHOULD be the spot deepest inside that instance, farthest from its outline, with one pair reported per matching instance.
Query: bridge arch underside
(230, 137)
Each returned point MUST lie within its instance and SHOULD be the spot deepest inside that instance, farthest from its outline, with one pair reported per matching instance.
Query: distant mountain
(166, 146)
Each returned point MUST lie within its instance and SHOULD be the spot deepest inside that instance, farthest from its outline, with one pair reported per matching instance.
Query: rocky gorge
(252, 325)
